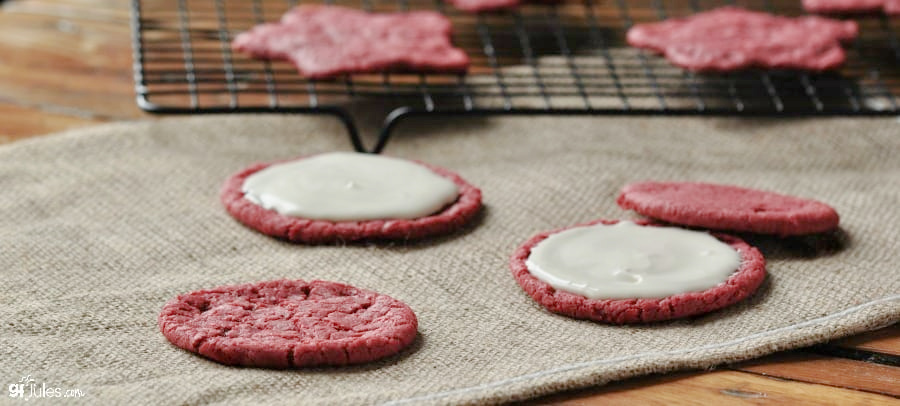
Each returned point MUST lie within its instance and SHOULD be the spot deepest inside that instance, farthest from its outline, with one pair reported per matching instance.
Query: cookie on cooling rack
(732, 38)
(342, 197)
(726, 207)
(327, 41)
(625, 272)
(288, 324)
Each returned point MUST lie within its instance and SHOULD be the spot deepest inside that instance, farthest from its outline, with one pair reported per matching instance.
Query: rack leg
(391, 121)
(350, 125)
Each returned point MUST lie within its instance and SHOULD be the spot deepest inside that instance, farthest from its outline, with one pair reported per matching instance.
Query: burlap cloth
(101, 226)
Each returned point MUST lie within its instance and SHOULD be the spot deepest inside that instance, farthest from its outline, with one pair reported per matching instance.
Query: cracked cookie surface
(731, 38)
(288, 324)
(327, 41)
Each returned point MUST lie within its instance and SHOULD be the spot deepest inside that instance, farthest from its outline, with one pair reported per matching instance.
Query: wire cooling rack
(567, 58)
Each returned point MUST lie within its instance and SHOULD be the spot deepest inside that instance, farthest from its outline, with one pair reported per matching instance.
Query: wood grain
(714, 388)
(884, 341)
(20, 122)
(838, 372)
(76, 58)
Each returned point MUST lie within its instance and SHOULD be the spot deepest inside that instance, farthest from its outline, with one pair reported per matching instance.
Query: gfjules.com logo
(27, 389)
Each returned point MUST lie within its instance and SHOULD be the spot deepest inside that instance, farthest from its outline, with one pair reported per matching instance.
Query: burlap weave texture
(101, 226)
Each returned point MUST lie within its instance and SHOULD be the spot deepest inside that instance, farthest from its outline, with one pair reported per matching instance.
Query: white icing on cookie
(625, 260)
(350, 187)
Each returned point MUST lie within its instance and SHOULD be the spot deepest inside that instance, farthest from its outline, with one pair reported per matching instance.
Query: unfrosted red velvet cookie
(474, 6)
(892, 7)
(851, 6)
(326, 41)
(731, 38)
(318, 231)
(288, 324)
(742, 283)
(725, 207)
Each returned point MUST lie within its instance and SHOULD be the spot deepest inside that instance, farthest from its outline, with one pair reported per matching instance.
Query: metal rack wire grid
(565, 58)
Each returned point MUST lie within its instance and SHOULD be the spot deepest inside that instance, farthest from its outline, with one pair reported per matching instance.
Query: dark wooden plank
(839, 372)
(714, 388)
(884, 341)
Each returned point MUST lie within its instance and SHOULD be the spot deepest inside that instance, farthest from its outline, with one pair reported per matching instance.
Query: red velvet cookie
(288, 324)
(326, 41)
(741, 284)
(731, 38)
(313, 231)
(892, 7)
(852, 6)
(724, 207)
(474, 6)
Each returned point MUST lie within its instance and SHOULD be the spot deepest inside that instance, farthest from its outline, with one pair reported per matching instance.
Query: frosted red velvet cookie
(852, 6)
(725, 207)
(731, 38)
(342, 197)
(624, 272)
(288, 324)
(326, 41)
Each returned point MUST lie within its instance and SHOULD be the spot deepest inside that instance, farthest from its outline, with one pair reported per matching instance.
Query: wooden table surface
(67, 64)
